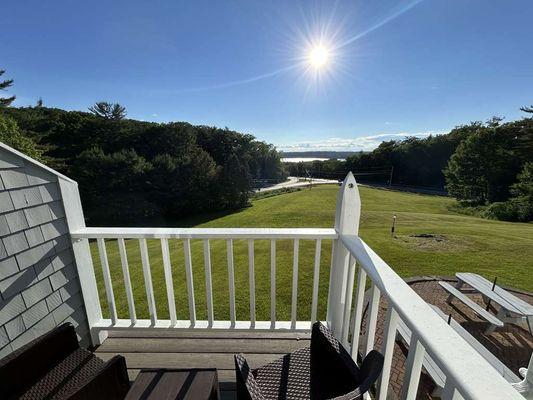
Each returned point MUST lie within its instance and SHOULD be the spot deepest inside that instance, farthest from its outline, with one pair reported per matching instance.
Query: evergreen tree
(526, 109)
(107, 110)
(6, 101)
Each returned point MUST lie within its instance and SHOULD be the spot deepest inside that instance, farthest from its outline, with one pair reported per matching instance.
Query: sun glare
(318, 56)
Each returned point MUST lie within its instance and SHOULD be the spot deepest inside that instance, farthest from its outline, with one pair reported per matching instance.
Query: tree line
(131, 172)
(486, 166)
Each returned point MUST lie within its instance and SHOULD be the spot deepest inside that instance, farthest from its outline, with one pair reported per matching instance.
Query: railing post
(347, 215)
(82, 256)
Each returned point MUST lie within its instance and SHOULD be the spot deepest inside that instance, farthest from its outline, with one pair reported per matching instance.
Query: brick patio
(512, 344)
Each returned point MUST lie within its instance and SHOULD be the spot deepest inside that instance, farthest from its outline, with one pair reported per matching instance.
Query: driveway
(293, 182)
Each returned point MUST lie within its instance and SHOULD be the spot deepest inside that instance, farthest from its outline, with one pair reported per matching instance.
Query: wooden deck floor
(169, 349)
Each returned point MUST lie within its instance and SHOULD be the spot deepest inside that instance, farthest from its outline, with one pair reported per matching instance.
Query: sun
(318, 56)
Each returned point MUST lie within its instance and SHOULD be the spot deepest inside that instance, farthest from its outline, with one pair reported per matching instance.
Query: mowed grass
(459, 243)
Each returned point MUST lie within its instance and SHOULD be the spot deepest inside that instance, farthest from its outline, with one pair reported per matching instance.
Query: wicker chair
(323, 371)
(53, 366)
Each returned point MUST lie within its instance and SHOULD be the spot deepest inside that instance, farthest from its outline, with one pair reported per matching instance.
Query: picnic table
(487, 316)
(512, 309)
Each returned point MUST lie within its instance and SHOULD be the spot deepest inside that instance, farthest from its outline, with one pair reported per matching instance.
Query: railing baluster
(168, 281)
(231, 282)
(148, 281)
(316, 277)
(413, 368)
(450, 392)
(358, 311)
(295, 283)
(107, 281)
(208, 282)
(372, 318)
(391, 323)
(251, 274)
(190, 284)
(272, 284)
(348, 300)
(127, 279)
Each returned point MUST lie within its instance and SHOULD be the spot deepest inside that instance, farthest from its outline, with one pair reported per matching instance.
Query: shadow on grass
(188, 221)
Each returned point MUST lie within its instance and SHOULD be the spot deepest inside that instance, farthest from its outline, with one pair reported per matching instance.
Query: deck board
(190, 345)
(189, 349)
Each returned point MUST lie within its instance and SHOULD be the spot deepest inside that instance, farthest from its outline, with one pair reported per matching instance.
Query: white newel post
(82, 255)
(347, 215)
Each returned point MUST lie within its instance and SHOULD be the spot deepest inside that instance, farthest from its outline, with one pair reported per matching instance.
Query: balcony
(356, 275)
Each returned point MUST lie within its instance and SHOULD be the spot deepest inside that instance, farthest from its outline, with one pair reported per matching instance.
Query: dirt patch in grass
(432, 242)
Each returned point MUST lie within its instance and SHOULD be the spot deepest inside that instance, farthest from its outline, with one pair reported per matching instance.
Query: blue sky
(395, 67)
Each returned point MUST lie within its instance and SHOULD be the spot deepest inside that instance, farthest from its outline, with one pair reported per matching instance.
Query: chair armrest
(24, 366)
(111, 383)
(247, 388)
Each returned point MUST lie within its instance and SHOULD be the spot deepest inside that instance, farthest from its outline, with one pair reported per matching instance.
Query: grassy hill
(430, 240)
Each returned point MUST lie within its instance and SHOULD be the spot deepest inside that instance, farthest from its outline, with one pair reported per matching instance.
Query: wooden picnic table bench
(509, 303)
(487, 316)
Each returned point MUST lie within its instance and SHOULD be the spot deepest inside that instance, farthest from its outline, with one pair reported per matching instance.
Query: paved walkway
(511, 344)
(293, 182)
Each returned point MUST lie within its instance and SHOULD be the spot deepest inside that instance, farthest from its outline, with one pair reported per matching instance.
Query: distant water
(302, 159)
(305, 159)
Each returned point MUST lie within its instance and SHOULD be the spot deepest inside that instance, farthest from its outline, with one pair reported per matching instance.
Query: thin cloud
(363, 143)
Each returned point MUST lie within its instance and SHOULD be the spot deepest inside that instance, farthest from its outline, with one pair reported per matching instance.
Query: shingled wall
(39, 285)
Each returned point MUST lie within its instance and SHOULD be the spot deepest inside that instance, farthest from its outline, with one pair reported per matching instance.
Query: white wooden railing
(105, 235)
(468, 375)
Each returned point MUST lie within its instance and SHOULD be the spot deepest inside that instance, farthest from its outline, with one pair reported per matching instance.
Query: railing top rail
(205, 233)
(472, 375)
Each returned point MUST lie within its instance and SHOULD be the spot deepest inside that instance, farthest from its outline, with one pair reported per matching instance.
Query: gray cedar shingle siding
(39, 286)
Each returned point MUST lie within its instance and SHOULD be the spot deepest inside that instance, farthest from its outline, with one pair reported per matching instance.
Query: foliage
(477, 163)
(131, 172)
(415, 161)
(115, 180)
(271, 193)
(520, 206)
(108, 110)
(527, 109)
(11, 135)
(501, 210)
(486, 163)
(6, 101)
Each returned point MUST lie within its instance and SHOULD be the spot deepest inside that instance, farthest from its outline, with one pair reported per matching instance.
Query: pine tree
(39, 102)
(526, 109)
(107, 110)
(5, 101)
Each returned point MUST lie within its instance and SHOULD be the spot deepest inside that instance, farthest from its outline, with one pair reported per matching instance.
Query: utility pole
(390, 178)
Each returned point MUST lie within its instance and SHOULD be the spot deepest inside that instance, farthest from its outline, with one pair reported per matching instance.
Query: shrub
(515, 209)
(501, 210)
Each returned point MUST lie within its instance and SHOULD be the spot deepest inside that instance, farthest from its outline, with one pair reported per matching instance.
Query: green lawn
(461, 243)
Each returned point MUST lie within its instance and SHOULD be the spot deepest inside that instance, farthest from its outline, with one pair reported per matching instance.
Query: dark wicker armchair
(53, 366)
(323, 371)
